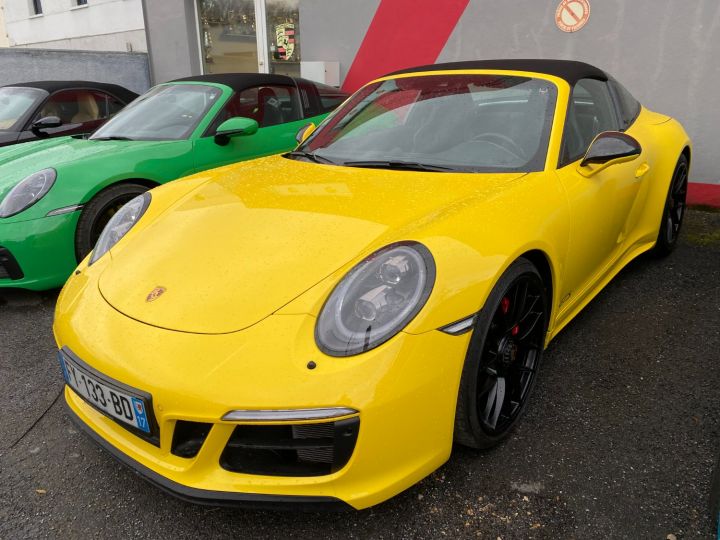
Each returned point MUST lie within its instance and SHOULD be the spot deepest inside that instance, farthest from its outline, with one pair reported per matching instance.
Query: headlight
(28, 192)
(376, 299)
(120, 224)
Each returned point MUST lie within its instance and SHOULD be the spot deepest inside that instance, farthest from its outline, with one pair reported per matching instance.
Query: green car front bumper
(38, 254)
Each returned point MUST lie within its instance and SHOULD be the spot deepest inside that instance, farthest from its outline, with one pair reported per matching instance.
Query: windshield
(164, 113)
(477, 123)
(16, 103)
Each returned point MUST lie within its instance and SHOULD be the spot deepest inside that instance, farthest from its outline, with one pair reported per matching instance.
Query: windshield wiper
(311, 157)
(112, 138)
(400, 165)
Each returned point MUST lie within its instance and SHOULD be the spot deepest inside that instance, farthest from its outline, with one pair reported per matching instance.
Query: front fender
(670, 140)
(472, 247)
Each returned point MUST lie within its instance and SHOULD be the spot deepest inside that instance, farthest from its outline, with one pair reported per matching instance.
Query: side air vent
(9, 267)
(188, 438)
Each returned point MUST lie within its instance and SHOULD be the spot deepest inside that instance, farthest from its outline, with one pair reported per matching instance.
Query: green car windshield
(471, 123)
(164, 113)
(16, 103)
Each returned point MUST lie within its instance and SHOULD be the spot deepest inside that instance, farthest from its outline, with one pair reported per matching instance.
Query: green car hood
(36, 155)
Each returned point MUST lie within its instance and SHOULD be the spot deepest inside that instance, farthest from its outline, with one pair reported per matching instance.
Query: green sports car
(57, 195)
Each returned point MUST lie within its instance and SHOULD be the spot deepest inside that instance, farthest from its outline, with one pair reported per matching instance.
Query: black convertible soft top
(569, 70)
(53, 86)
(240, 81)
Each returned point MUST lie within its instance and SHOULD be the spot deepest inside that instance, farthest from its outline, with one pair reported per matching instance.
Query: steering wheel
(502, 141)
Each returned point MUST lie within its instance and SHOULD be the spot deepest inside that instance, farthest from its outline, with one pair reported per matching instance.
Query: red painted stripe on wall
(704, 194)
(402, 34)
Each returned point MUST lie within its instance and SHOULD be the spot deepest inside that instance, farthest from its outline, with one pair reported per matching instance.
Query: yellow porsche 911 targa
(320, 326)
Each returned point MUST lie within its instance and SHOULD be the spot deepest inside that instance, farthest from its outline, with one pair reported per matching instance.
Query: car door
(279, 115)
(599, 204)
(80, 110)
(646, 173)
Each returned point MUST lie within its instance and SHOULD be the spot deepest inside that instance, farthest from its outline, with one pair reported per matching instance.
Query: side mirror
(46, 123)
(610, 148)
(235, 127)
(305, 132)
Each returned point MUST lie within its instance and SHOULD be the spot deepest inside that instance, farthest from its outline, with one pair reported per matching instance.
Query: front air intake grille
(291, 450)
(188, 438)
(9, 267)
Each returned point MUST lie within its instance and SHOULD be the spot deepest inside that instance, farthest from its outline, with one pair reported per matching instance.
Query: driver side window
(591, 112)
(269, 105)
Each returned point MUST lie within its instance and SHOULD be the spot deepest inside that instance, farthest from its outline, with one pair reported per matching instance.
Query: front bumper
(43, 249)
(405, 392)
(202, 496)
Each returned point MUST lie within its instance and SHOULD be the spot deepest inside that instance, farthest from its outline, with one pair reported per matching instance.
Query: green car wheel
(96, 214)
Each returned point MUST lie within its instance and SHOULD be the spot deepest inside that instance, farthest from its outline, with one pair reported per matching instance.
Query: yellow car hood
(260, 234)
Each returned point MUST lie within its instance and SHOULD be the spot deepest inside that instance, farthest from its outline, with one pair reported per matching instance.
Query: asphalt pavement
(618, 442)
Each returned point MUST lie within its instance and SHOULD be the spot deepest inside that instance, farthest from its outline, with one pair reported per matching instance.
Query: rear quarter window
(629, 107)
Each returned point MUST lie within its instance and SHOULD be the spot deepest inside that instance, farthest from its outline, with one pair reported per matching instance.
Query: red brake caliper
(505, 307)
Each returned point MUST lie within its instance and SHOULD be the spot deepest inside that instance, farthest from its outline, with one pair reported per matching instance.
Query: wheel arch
(541, 260)
(116, 182)
(687, 152)
(80, 252)
(142, 181)
(479, 284)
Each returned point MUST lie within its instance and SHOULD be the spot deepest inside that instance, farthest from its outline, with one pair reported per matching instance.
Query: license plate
(107, 397)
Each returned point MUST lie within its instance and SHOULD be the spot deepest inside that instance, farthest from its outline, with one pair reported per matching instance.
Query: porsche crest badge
(156, 293)
(285, 40)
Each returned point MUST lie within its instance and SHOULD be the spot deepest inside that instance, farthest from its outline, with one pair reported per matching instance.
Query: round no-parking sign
(572, 15)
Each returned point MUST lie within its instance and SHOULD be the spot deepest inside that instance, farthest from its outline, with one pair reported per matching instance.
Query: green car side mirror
(235, 127)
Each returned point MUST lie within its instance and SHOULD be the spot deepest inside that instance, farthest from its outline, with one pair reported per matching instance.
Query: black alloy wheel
(674, 211)
(503, 359)
(99, 211)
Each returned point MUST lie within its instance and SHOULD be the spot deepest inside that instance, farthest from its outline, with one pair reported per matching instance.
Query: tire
(507, 343)
(674, 210)
(98, 212)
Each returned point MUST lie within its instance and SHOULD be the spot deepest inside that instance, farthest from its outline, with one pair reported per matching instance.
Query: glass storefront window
(231, 43)
(227, 36)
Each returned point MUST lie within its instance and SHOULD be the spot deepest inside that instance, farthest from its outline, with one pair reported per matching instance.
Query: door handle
(642, 171)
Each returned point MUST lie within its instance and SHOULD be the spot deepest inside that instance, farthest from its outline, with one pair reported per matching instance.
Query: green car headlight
(27, 192)
(119, 225)
(376, 299)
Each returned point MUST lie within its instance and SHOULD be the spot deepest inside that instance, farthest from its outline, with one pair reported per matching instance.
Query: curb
(703, 194)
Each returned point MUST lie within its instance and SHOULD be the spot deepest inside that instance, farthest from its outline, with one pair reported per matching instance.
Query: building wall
(26, 65)
(332, 30)
(172, 31)
(4, 42)
(665, 51)
(100, 25)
